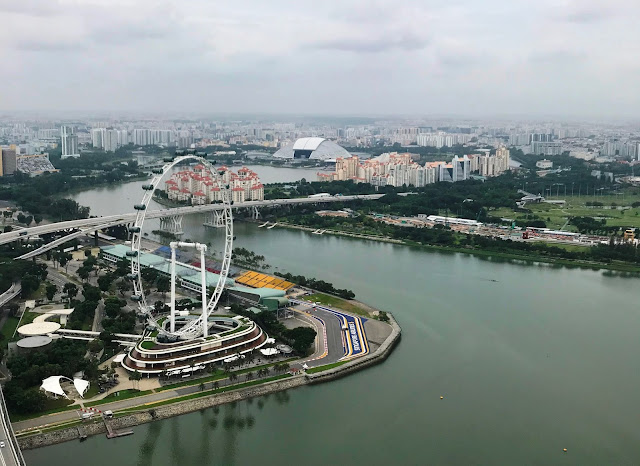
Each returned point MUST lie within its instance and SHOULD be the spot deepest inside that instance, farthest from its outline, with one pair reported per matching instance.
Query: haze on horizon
(549, 57)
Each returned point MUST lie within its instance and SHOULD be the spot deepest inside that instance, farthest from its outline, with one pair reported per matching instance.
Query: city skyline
(568, 59)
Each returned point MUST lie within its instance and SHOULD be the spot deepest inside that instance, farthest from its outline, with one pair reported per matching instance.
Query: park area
(617, 211)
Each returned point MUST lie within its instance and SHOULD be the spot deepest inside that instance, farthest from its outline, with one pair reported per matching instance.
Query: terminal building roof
(184, 271)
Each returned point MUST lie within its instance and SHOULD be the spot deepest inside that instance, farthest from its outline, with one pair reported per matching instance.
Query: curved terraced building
(234, 337)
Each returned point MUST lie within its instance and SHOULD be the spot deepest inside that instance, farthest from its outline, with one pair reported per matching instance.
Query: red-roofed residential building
(257, 192)
(199, 180)
(199, 198)
(237, 195)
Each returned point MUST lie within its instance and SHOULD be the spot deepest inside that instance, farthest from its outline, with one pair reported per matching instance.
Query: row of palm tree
(281, 367)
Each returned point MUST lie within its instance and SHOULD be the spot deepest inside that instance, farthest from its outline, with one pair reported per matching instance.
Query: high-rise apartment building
(111, 140)
(546, 148)
(142, 137)
(69, 142)
(97, 137)
(123, 137)
(8, 163)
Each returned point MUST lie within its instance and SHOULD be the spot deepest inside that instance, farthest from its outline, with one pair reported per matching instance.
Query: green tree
(148, 274)
(123, 286)
(303, 338)
(83, 272)
(163, 284)
(30, 283)
(95, 346)
(122, 267)
(51, 291)
(105, 281)
(91, 293)
(70, 289)
(63, 260)
(160, 307)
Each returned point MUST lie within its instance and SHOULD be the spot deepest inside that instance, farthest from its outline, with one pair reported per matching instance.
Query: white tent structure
(52, 385)
(119, 358)
(81, 386)
(269, 351)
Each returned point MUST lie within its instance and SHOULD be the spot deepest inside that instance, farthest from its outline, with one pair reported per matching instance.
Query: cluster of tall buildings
(393, 169)
(623, 149)
(442, 139)
(197, 186)
(109, 139)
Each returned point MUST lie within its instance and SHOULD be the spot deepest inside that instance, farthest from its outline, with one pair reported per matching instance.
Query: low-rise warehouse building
(270, 298)
(188, 275)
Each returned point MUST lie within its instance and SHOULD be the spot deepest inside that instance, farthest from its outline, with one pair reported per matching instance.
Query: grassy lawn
(41, 292)
(235, 330)
(91, 391)
(9, 328)
(124, 395)
(51, 406)
(568, 247)
(326, 367)
(556, 216)
(336, 302)
(148, 344)
(28, 317)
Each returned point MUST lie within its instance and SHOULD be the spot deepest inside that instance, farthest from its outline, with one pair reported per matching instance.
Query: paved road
(56, 278)
(10, 454)
(133, 402)
(331, 325)
(351, 340)
(13, 291)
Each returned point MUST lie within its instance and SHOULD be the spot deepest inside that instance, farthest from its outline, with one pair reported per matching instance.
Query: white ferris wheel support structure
(197, 327)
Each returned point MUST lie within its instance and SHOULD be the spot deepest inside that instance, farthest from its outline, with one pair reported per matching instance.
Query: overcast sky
(467, 57)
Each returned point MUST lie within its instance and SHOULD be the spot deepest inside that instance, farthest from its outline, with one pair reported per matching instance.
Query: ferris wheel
(194, 328)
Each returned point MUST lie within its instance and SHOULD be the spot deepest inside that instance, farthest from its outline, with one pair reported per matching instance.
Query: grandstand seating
(261, 280)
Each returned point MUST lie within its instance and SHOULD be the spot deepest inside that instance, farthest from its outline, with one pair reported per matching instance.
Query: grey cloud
(414, 55)
(558, 57)
(586, 16)
(45, 46)
(406, 42)
(126, 34)
(587, 11)
(30, 7)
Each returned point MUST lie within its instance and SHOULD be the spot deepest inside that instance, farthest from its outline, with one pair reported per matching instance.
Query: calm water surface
(529, 359)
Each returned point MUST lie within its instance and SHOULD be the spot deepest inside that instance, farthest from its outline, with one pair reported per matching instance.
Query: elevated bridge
(80, 227)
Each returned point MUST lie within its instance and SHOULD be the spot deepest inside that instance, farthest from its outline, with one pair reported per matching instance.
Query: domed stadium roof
(312, 148)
